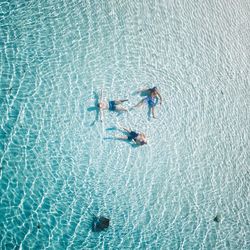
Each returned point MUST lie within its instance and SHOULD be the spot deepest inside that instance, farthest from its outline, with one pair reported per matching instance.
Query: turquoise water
(57, 170)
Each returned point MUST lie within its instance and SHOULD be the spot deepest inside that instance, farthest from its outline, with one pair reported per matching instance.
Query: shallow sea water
(57, 168)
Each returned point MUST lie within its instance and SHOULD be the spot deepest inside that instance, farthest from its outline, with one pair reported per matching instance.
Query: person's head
(143, 139)
(100, 105)
(143, 142)
(153, 91)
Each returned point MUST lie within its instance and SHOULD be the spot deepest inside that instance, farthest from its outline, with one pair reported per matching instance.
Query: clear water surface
(57, 168)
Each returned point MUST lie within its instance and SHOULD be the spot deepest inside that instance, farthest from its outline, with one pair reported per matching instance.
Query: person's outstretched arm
(122, 138)
(101, 95)
(159, 97)
(141, 91)
(101, 115)
(123, 128)
(101, 111)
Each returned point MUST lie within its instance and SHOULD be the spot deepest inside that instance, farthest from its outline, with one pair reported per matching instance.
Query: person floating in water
(152, 99)
(114, 105)
(132, 136)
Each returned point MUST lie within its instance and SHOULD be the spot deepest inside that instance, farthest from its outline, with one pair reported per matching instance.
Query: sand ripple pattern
(56, 168)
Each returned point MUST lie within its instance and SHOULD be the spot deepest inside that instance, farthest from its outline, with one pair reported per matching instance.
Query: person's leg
(120, 101)
(153, 111)
(139, 104)
(126, 129)
(122, 138)
(120, 108)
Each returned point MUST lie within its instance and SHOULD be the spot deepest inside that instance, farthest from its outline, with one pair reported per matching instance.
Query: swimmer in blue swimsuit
(137, 138)
(151, 100)
(111, 105)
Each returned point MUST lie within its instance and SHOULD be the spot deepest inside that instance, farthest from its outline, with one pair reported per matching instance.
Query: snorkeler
(137, 138)
(114, 105)
(152, 99)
